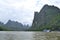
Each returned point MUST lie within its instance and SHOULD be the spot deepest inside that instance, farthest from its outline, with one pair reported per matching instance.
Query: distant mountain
(14, 25)
(1, 23)
(47, 18)
(2, 27)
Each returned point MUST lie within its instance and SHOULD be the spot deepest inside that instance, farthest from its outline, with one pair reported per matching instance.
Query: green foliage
(47, 18)
(3, 29)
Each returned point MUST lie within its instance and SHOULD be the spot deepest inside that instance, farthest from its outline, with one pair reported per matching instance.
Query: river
(22, 35)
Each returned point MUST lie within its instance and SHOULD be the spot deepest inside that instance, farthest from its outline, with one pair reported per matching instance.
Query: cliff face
(46, 18)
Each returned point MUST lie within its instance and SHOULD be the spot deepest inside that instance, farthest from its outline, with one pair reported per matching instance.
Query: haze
(22, 10)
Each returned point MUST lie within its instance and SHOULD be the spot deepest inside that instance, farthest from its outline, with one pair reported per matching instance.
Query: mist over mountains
(14, 25)
(47, 18)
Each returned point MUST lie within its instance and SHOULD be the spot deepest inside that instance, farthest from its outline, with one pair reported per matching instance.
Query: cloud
(22, 10)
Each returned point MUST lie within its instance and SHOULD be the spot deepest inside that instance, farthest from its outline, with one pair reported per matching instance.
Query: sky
(22, 10)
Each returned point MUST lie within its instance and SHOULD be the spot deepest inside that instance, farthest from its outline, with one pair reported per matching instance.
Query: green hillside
(47, 18)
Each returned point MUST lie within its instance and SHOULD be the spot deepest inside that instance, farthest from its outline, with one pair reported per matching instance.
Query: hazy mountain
(14, 25)
(1, 23)
(47, 18)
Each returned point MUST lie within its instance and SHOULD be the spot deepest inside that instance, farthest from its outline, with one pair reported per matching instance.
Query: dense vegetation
(48, 18)
(4, 29)
(13, 26)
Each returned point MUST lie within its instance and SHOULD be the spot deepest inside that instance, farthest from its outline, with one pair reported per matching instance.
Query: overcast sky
(22, 10)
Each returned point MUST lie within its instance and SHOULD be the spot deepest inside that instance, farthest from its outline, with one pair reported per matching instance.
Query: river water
(22, 35)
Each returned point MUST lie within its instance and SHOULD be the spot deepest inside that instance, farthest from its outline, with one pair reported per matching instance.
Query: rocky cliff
(47, 18)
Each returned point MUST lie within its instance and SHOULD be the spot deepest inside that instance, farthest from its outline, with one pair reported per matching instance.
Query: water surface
(21, 35)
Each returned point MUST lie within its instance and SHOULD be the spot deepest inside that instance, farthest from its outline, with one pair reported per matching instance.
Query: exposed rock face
(48, 16)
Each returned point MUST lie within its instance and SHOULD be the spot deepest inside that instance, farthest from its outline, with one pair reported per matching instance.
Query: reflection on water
(45, 36)
(5, 35)
(39, 36)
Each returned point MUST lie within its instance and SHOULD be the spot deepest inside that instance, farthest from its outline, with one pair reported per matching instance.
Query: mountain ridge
(46, 18)
(14, 26)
